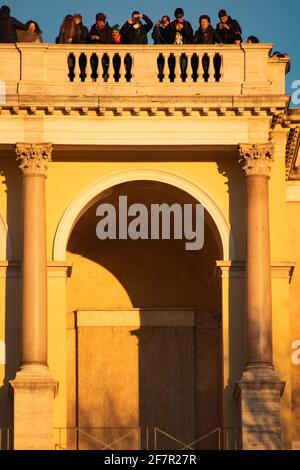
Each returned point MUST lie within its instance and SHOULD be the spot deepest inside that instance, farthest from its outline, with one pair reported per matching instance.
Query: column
(259, 389)
(33, 387)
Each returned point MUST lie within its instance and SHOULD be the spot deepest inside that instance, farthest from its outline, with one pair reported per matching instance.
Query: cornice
(122, 108)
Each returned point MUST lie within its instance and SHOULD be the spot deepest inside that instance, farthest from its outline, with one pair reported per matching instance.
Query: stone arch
(89, 196)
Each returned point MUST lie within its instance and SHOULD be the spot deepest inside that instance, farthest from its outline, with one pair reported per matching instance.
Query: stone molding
(256, 158)
(34, 377)
(33, 159)
(12, 269)
(146, 109)
(259, 378)
(236, 269)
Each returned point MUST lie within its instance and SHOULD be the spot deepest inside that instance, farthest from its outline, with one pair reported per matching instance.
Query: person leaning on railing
(33, 34)
(229, 29)
(9, 26)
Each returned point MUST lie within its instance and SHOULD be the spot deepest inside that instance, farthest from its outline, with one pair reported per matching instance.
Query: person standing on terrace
(81, 31)
(134, 31)
(206, 34)
(161, 33)
(116, 36)
(101, 32)
(180, 30)
(229, 29)
(9, 26)
(67, 31)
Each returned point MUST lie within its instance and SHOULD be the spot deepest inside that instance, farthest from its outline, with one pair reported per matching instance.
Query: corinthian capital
(33, 159)
(256, 158)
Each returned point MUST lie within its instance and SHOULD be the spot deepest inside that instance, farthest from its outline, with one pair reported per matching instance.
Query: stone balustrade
(160, 70)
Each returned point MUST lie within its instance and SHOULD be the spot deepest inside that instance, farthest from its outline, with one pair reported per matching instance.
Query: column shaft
(34, 272)
(258, 273)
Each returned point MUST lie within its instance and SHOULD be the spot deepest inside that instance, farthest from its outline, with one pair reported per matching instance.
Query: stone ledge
(151, 109)
(12, 269)
(236, 269)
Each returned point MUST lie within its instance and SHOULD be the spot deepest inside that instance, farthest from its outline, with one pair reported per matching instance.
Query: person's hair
(204, 17)
(77, 15)
(5, 9)
(135, 13)
(253, 39)
(101, 17)
(178, 11)
(166, 16)
(68, 26)
(222, 13)
(37, 28)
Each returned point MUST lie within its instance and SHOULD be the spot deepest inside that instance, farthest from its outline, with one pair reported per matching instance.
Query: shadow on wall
(167, 377)
(11, 178)
(231, 169)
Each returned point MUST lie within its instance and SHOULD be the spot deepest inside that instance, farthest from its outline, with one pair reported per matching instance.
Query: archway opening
(145, 360)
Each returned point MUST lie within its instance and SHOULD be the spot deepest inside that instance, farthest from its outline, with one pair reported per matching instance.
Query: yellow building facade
(129, 344)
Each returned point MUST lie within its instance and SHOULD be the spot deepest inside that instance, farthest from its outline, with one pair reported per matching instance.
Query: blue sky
(272, 21)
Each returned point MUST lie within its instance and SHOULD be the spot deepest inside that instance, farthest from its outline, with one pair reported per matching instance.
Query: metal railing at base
(146, 438)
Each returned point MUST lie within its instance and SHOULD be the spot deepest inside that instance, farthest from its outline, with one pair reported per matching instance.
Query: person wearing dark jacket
(228, 29)
(206, 34)
(81, 31)
(161, 33)
(67, 31)
(32, 35)
(9, 26)
(180, 30)
(134, 31)
(101, 32)
(253, 40)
